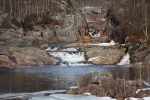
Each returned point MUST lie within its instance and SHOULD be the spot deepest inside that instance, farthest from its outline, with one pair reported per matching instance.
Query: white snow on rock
(91, 59)
(141, 89)
(96, 35)
(147, 83)
(103, 44)
(87, 94)
(125, 60)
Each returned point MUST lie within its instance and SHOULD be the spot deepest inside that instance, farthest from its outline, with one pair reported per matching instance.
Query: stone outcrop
(139, 51)
(106, 55)
(23, 35)
(102, 83)
(12, 57)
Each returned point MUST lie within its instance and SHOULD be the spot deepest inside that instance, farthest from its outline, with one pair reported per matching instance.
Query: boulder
(106, 60)
(107, 55)
(93, 78)
(24, 59)
(31, 56)
(12, 57)
(102, 83)
(4, 19)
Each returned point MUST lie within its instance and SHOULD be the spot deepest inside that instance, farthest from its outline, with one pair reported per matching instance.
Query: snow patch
(97, 35)
(125, 60)
(103, 44)
(147, 83)
(91, 59)
(87, 94)
(141, 89)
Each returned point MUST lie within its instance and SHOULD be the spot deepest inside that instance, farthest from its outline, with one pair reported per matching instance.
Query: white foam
(125, 60)
(69, 57)
(103, 44)
(70, 49)
(52, 49)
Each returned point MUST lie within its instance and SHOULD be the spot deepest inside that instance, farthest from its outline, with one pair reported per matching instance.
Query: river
(40, 78)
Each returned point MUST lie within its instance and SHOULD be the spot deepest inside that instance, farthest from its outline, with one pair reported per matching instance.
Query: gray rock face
(4, 19)
(65, 23)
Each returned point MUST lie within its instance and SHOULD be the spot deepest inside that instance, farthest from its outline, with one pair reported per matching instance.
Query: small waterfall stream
(68, 56)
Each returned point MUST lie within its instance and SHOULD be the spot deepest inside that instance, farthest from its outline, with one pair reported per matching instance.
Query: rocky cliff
(27, 27)
(128, 24)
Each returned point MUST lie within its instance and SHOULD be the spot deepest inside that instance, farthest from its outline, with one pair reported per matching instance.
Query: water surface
(41, 78)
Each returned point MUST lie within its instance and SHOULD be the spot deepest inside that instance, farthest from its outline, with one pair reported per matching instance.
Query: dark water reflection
(33, 79)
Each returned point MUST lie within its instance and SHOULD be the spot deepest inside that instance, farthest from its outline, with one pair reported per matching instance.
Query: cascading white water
(69, 57)
(125, 60)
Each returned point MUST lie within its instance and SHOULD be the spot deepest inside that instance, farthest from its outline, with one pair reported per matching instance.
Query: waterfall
(69, 57)
(125, 60)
